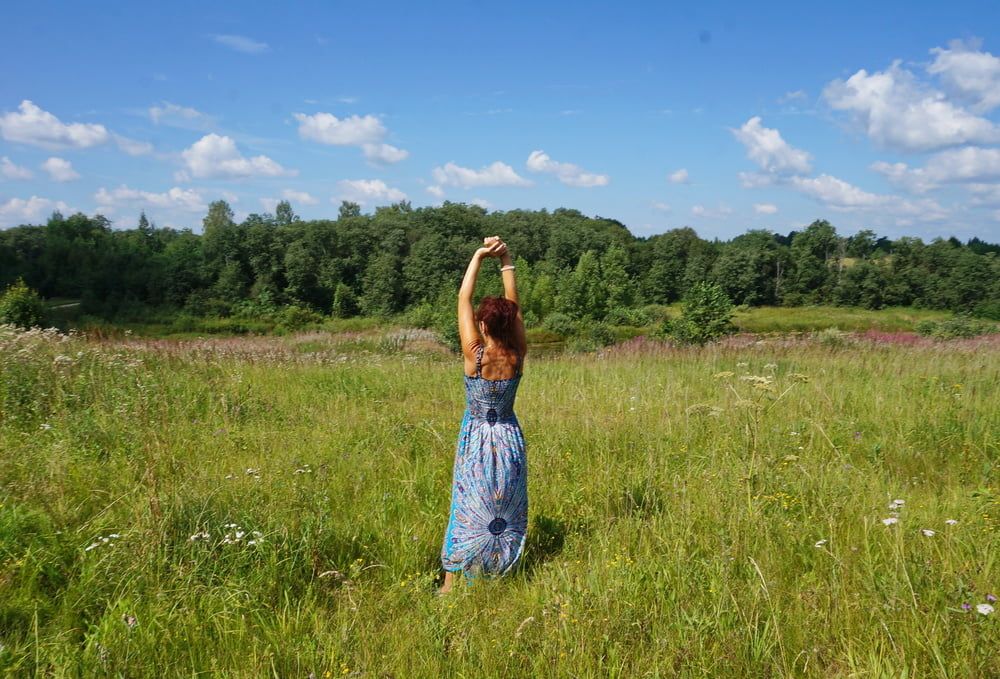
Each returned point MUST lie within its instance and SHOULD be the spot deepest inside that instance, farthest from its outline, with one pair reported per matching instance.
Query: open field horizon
(274, 506)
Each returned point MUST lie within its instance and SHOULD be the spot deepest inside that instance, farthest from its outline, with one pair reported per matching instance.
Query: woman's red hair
(499, 315)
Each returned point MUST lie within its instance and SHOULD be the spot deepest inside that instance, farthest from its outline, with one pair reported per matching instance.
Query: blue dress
(489, 493)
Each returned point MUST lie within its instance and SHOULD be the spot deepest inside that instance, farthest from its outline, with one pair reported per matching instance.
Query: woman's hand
(492, 247)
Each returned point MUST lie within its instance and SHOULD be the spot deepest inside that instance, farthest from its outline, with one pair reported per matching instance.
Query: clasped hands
(492, 247)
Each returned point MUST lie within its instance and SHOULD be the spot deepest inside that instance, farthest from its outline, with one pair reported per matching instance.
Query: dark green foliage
(706, 316)
(400, 259)
(958, 326)
(21, 306)
(560, 324)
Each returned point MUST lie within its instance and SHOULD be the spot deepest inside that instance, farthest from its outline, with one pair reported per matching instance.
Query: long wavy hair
(499, 315)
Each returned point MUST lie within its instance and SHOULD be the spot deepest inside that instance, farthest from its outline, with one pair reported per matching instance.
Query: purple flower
(990, 598)
(966, 606)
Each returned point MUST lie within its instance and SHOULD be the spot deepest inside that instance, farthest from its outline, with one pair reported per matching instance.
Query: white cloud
(299, 197)
(483, 203)
(765, 208)
(496, 174)
(188, 200)
(175, 115)
(772, 153)
(20, 211)
(32, 125)
(60, 170)
(835, 192)
(971, 75)
(385, 154)
(678, 177)
(661, 206)
(984, 194)
(711, 213)
(217, 156)
(567, 173)
(366, 132)
(968, 164)
(897, 111)
(327, 128)
(241, 43)
(436, 191)
(366, 190)
(792, 96)
(11, 171)
(132, 146)
(755, 180)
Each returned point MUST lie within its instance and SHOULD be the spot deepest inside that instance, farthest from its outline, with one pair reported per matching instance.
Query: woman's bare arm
(510, 292)
(468, 333)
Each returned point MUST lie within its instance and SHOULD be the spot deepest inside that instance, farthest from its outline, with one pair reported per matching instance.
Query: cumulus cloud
(366, 132)
(435, 191)
(970, 74)
(10, 170)
(711, 213)
(384, 154)
(678, 176)
(32, 125)
(175, 115)
(366, 190)
(188, 200)
(241, 43)
(772, 153)
(897, 111)
(567, 173)
(299, 197)
(215, 156)
(60, 170)
(984, 194)
(327, 128)
(483, 203)
(835, 192)
(496, 174)
(765, 208)
(24, 210)
(968, 164)
(132, 146)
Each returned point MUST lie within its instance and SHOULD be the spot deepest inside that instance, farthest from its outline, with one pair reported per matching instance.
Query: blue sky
(720, 116)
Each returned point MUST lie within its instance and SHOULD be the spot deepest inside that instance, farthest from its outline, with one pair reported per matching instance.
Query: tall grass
(714, 512)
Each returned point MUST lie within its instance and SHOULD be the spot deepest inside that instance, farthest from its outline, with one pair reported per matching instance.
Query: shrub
(628, 316)
(560, 324)
(21, 306)
(706, 315)
(956, 327)
(296, 317)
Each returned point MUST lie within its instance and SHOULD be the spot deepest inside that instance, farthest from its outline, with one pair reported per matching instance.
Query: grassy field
(274, 507)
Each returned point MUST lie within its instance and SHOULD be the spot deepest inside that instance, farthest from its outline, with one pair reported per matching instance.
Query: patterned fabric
(489, 493)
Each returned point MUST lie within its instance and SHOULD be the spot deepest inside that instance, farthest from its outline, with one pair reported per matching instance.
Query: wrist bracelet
(509, 267)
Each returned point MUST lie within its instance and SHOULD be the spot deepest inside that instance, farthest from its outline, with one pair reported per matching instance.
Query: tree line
(400, 258)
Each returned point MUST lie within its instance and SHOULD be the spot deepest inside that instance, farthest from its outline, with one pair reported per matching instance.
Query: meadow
(274, 507)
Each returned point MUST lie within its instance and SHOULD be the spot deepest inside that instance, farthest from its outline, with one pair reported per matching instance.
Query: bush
(627, 316)
(21, 306)
(560, 324)
(296, 318)
(955, 327)
(706, 315)
(421, 316)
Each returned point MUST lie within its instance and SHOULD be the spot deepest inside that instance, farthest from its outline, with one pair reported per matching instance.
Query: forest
(401, 258)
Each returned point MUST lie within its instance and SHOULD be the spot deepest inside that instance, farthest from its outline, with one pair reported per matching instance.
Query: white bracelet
(509, 267)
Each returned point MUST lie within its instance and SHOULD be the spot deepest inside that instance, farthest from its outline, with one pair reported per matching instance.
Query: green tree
(705, 317)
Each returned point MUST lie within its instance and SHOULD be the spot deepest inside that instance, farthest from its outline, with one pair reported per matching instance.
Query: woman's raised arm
(468, 333)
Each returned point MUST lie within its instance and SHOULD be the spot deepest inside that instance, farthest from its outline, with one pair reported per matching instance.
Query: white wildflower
(890, 521)
(45, 426)
(928, 533)
(820, 543)
(770, 366)
(984, 609)
(896, 504)
(950, 522)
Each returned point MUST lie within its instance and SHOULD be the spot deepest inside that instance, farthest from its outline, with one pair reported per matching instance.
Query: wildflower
(966, 606)
(252, 471)
(770, 366)
(984, 609)
(950, 522)
(928, 533)
(890, 521)
(129, 621)
(820, 543)
(896, 504)
(202, 535)
(742, 364)
(793, 433)
(45, 426)
(798, 377)
(991, 598)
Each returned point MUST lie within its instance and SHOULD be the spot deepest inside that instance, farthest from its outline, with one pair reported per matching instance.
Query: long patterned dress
(489, 494)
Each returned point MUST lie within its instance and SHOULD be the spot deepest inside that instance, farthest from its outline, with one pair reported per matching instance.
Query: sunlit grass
(713, 512)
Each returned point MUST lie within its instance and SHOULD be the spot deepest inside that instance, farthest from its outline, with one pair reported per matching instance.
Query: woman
(489, 495)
